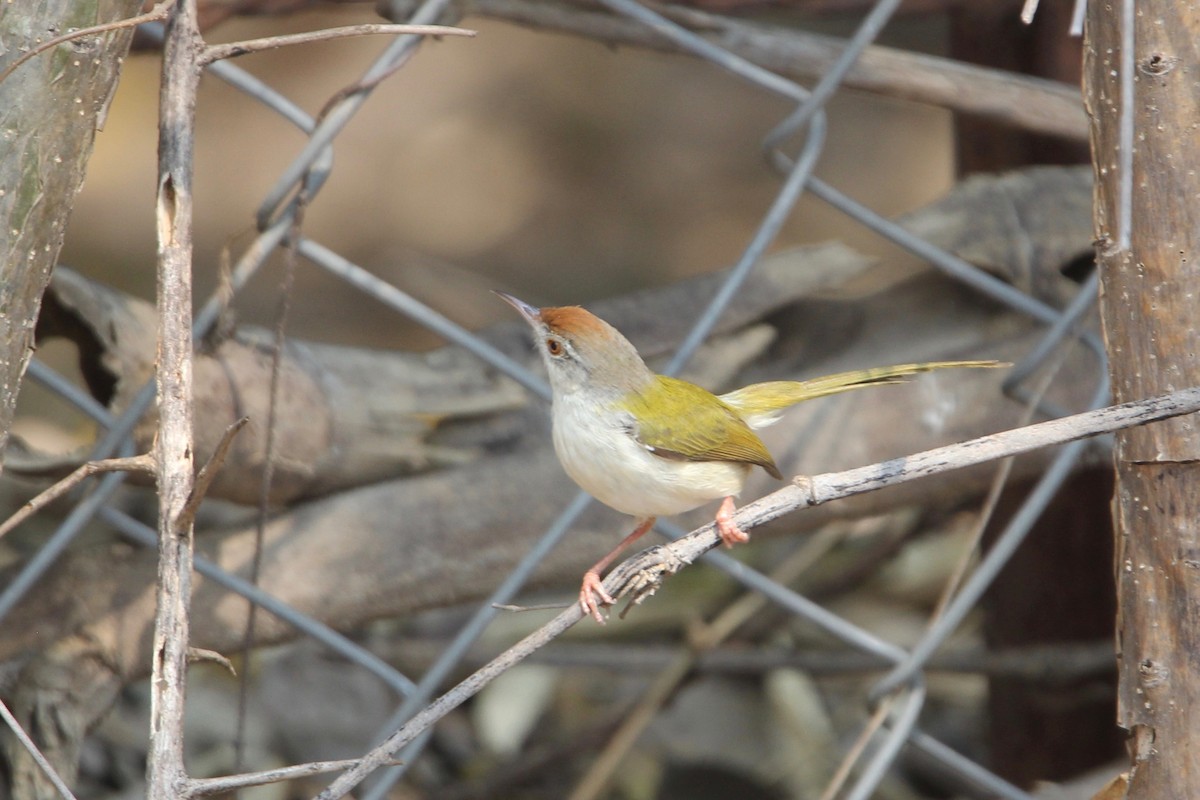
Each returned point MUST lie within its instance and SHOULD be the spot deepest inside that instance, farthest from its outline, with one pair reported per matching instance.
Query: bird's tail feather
(761, 403)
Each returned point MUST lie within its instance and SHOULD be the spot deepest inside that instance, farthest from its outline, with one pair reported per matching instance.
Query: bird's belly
(612, 467)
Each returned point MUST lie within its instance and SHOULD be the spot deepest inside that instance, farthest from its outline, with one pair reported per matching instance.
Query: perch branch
(645, 570)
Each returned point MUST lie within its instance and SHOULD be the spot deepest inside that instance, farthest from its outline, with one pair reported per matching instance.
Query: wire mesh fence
(891, 712)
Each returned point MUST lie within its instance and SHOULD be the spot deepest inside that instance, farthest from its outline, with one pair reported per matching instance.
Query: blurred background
(565, 171)
(552, 166)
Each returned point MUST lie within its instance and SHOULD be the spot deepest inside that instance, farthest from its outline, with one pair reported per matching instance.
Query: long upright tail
(761, 404)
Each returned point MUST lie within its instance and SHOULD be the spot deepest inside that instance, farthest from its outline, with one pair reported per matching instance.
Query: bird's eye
(554, 347)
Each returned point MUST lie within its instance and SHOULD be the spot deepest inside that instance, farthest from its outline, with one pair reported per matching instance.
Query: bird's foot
(727, 529)
(592, 596)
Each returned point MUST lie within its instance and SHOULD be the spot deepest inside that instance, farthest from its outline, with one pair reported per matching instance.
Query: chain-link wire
(903, 687)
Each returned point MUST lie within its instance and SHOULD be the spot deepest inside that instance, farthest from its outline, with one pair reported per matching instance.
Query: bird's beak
(532, 314)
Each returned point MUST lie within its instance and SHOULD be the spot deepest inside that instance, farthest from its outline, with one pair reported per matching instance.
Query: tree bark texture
(173, 447)
(1150, 289)
(50, 108)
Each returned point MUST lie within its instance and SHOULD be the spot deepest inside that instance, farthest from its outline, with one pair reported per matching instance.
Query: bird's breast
(598, 450)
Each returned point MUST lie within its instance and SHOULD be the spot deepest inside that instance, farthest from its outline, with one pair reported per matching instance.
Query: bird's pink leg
(727, 529)
(593, 588)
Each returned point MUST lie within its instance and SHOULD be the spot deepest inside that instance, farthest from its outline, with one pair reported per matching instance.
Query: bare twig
(165, 771)
(197, 655)
(209, 471)
(365, 84)
(206, 787)
(808, 491)
(159, 12)
(216, 52)
(518, 609)
(452, 700)
(842, 773)
(143, 463)
(270, 457)
(55, 779)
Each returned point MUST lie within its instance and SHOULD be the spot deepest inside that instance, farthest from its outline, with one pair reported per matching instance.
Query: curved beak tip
(527, 311)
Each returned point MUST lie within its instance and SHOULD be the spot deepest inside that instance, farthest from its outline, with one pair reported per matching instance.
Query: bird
(652, 445)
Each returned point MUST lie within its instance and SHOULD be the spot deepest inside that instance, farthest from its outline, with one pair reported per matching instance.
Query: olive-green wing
(679, 420)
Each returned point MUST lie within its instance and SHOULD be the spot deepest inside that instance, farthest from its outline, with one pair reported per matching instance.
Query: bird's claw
(730, 533)
(727, 529)
(588, 593)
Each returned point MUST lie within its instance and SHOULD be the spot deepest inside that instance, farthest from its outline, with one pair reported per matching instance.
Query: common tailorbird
(650, 445)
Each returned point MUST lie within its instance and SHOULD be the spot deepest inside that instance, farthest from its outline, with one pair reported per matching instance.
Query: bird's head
(583, 352)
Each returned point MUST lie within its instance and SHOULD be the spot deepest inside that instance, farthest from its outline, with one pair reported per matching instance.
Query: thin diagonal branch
(143, 463)
(642, 573)
(54, 778)
(155, 14)
(216, 52)
(206, 787)
(209, 471)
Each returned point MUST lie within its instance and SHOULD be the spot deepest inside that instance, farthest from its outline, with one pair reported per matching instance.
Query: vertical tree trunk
(1150, 297)
(173, 445)
(50, 107)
